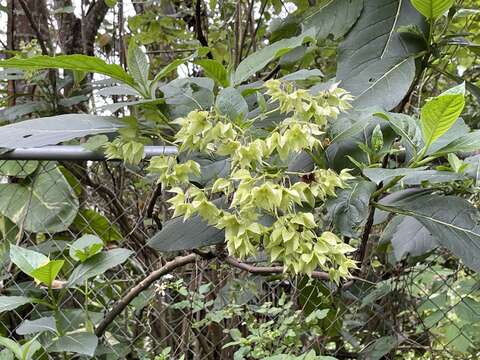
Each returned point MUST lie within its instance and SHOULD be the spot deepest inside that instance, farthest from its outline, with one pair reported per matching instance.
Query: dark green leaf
(258, 60)
(55, 129)
(89, 221)
(411, 176)
(379, 348)
(97, 265)
(79, 343)
(17, 168)
(456, 227)
(8, 303)
(43, 203)
(37, 326)
(349, 209)
(332, 18)
(375, 62)
(408, 237)
(466, 143)
(231, 103)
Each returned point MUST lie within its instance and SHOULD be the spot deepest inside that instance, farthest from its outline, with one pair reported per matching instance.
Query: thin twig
(268, 269)
(141, 286)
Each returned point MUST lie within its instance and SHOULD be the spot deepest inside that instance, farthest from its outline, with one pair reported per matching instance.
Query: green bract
(267, 209)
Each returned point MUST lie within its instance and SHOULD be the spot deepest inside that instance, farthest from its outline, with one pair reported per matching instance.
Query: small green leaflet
(439, 114)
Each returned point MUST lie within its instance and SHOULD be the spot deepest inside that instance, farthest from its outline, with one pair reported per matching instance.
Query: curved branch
(141, 286)
(268, 269)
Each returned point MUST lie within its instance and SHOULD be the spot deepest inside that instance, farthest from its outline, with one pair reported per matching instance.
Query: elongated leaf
(303, 74)
(335, 18)
(48, 272)
(408, 237)
(439, 114)
(79, 343)
(27, 260)
(457, 131)
(55, 129)
(193, 233)
(37, 326)
(8, 303)
(231, 103)
(138, 63)
(349, 209)
(71, 62)
(215, 70)
(171, 67)
(97, 265)
(45, 202)
(12, 346)
(375, 61)
(411, 176)
(466, 143)
(453, 221)
(258, 60)
(432, 9)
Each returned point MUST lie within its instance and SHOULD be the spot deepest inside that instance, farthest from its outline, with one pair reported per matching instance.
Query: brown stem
(198, 27)
(34, 26)
(268, 269)
(142, 285)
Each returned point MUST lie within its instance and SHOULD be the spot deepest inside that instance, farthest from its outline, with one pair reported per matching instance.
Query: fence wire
(209, 310)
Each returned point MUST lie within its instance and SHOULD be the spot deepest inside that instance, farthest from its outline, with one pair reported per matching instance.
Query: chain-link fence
(206, 309)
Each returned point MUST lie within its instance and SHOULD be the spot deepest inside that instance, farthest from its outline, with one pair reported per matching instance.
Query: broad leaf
(411, 176)
(258, 60)
(47, 273)
(466, 143)
(186, 94)
(17, 168)
(8, 303)
(79, 343)
(85, 247)
(214, 70)
(375, 61)
(408, 237)
(37, 326)
(27, 260)
(71, 62)
(332, 18)
(45, 202)
(349, 209)
(97, 265)
(89, 221)
(55, 129)
(231, 103)
(456, 227)
(432, 9)
(439, 114)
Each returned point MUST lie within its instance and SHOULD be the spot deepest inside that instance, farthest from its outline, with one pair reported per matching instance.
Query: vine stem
(141, 286)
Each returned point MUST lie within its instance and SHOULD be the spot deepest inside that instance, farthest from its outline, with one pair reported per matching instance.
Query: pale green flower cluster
(265, 209)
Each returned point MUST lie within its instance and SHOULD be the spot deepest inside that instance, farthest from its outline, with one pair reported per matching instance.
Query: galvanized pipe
(75, 153)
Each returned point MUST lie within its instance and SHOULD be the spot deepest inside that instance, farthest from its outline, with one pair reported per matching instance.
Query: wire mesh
(208, 310)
